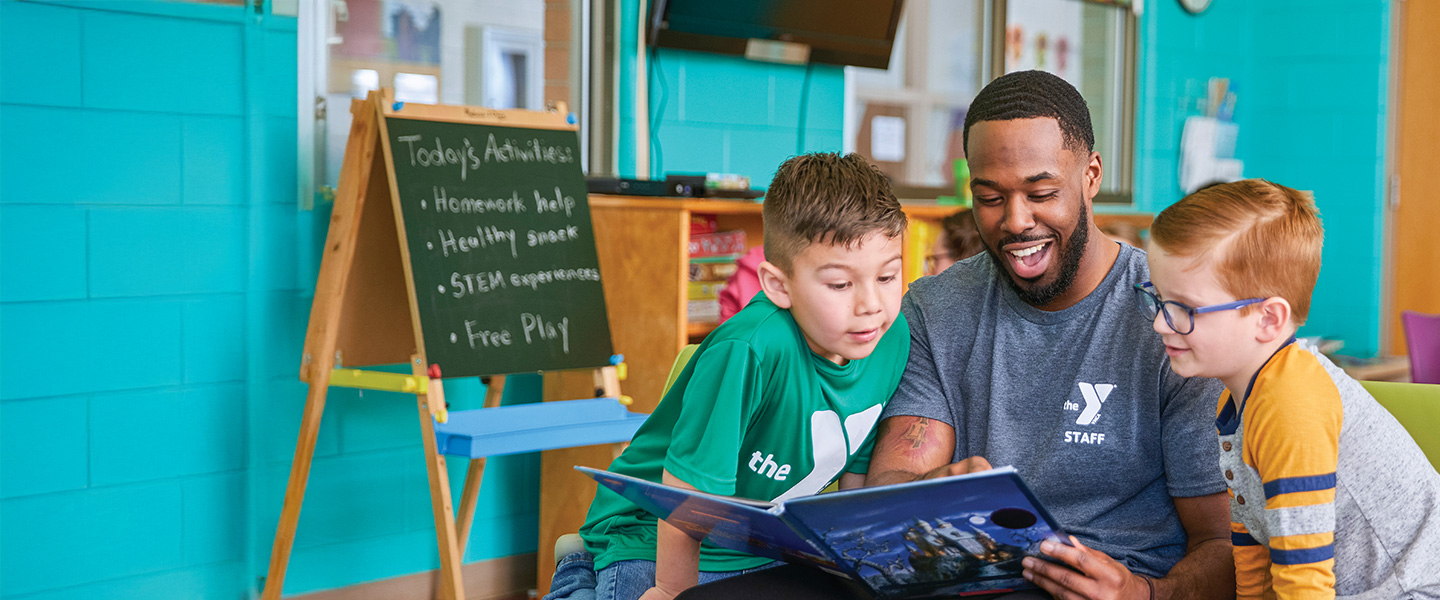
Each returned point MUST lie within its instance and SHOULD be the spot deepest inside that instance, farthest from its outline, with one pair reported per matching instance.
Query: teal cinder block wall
(1312, 80)
(725, 114)
(156, 283)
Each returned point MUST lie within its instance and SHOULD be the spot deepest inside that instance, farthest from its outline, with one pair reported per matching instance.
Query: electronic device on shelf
(674, 186)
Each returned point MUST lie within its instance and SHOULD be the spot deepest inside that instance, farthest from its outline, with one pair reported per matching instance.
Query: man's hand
(1092, 574)
(974, 464)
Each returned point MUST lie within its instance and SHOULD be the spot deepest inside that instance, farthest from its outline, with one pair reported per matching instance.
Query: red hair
(1263, 239)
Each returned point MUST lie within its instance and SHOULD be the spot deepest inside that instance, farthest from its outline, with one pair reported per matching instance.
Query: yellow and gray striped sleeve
(1252, 563)
(1292, 439)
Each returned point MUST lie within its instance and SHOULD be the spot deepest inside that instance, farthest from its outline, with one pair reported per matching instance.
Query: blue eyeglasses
(1177, 314)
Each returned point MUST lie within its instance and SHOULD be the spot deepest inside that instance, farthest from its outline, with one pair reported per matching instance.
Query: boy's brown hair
(1264, 239)
(827, 198)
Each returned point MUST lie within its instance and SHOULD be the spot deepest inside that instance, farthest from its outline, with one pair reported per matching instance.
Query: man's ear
(1274, 316)
(1094, 174)
(775, 284)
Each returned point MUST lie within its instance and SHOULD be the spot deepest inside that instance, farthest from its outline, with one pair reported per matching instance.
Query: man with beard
(1034, 355)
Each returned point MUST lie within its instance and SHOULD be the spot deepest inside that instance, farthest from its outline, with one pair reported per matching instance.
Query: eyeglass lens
(1175, 316)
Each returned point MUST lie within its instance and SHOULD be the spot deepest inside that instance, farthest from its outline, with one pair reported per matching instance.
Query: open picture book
(927, 538)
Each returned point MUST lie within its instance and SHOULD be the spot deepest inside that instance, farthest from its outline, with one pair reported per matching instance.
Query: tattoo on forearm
(916, 433)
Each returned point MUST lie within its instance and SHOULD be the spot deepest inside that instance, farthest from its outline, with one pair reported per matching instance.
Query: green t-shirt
(755, 414)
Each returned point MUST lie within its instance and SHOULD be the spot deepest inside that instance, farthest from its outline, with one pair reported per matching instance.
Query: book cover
(921, 539)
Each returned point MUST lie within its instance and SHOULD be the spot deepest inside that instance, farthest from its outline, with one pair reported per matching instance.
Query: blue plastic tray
(533, 427)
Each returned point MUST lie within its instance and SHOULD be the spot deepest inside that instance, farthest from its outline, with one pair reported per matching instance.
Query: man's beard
(1069, 257)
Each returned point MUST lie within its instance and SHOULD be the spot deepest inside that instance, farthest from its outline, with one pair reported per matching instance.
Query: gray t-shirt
(1082, 402)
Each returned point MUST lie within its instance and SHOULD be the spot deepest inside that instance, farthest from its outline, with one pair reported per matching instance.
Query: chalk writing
(464, 157)
(501, 246)
(531, 151)
(493, 339)
(474, 206)
(554, 236)
(539, 278)
(484, 238)
(546, 330)
(561, 202)
(465, 284)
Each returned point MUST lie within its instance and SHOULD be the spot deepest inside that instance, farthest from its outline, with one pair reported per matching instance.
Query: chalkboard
(502, 250)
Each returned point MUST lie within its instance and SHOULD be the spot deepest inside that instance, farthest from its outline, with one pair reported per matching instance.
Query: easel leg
(295, 490)
(494, 391)
(469, 499)
(451, 585)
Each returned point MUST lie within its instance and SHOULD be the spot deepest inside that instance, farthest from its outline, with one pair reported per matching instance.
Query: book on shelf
(719, 244)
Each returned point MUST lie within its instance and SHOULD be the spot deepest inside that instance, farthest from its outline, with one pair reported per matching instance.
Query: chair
(1417, 407)
(570, 542)
(1422, 337)
(681, 360)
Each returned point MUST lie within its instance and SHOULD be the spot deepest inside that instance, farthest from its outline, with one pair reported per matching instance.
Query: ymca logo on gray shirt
(1094, 395)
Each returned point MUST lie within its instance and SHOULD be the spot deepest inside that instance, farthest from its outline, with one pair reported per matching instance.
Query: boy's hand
(677, 555)
(656, 593)
(974, 464)
(1093, 576)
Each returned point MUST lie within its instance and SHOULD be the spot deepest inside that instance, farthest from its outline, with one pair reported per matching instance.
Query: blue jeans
(576, 579)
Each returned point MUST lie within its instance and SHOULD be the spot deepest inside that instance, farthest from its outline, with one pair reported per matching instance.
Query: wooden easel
(362, 315)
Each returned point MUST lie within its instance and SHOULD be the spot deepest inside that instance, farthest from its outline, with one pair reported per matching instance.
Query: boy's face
(843, 299)
(1223, 343)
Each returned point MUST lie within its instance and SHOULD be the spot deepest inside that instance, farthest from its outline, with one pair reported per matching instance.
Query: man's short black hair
(1032, 95)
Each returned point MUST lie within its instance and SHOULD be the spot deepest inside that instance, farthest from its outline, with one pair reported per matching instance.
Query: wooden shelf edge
(699, 328)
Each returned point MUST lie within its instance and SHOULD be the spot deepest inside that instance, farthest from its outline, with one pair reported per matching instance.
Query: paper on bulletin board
(1207, 150)
(887, 138)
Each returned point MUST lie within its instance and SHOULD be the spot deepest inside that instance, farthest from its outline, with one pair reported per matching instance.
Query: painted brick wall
(1312, 80)
(125, 234)
(730, 115)
(720, 113)
(155, 287)
(1322, 81)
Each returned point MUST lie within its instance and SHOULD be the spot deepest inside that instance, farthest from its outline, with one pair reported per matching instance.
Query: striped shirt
(1328, 493)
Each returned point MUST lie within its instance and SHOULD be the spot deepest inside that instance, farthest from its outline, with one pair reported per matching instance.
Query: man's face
(1031, 204)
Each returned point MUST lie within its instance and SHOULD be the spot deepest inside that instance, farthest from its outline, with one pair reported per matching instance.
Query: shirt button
(1240, 499)
(1228, 474)
(1226, 446)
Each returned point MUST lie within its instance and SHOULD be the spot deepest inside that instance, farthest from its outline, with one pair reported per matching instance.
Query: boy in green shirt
(781, 400)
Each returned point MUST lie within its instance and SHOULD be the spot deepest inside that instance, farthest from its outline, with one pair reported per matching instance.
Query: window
(1088, 44)
(909, 119)
(496, 53)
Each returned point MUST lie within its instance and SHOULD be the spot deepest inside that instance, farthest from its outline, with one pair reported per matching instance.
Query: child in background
(1329, 494)
(743, 285)
(780, 400)
(958, 240)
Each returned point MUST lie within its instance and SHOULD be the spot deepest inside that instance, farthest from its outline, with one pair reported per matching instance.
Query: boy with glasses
(1329, 495)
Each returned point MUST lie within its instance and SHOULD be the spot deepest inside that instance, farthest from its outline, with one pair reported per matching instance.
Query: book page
(935, 537)
(751, 526)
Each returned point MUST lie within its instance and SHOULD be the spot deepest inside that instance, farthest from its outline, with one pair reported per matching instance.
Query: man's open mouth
(1030, 259)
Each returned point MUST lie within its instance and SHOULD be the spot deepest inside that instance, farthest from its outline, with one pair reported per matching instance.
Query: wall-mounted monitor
(839, 32)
